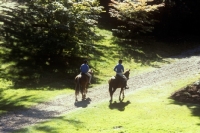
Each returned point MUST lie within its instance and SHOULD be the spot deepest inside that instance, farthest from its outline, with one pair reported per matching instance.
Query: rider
(85, 68)
(119, 69)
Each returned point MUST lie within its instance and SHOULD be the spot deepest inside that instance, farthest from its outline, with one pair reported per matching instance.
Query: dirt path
(185, 66)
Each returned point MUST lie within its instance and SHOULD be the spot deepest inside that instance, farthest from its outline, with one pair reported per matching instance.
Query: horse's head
(91, 72)
(127, 73)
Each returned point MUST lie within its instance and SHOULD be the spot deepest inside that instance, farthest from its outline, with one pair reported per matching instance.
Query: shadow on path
(83, 103)
(24, 116)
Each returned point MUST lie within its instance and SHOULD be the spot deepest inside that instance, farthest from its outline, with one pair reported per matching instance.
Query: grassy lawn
(147, 110)
(12, 97)
(140, 56)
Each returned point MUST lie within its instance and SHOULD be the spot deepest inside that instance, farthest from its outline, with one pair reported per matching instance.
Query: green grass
(140, 56)
(12, 99)
(147, 110)
(107, 56)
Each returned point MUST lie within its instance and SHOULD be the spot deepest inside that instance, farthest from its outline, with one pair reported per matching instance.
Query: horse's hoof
(121, 99)
(110, 101)
(83, 99)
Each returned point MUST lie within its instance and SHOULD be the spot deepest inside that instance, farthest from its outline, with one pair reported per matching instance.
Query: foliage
(134, 17)
(44, 35)
(44, 84)
(12, 99)
(51, 27)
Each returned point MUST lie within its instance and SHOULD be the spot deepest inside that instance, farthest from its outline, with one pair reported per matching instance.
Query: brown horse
(81, 84)
(115, 83)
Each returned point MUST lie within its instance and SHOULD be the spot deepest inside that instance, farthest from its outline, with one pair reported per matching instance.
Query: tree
(133, 17)
(52, 27)
(41, 33)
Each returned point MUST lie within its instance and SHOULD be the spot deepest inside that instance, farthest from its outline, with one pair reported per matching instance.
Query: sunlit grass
(107, 52)
(103, 63)
(111, 52)
(11, 99)
(145, 110)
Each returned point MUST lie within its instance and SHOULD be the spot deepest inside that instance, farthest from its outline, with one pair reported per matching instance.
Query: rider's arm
(122, 68)
(115, 69)
(88, 68)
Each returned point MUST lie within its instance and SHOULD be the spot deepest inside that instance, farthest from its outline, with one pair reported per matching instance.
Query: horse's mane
(127, 71)
(91, 71)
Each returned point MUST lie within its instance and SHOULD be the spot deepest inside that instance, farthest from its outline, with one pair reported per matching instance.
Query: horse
(81, 84)
(115, 83)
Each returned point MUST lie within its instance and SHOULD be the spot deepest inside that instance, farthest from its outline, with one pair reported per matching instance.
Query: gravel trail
(185, 65)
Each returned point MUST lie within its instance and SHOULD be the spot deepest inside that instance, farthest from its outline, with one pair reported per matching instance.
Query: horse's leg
(84, 93)
(120, 94)
(76, 93)
(123, 94)
(87, 88)
(113, 90)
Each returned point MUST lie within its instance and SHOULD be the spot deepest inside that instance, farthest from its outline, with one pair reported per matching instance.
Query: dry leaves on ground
(188, 94)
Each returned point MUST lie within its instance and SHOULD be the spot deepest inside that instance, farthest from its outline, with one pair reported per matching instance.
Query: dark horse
(81, 84)
(117, 82)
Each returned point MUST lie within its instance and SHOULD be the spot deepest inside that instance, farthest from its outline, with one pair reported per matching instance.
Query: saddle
(117, 77)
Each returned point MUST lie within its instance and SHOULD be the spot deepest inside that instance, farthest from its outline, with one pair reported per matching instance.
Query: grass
(137, 57)
(108, 55)
(12, 97)
(140, 56)
(147, 110)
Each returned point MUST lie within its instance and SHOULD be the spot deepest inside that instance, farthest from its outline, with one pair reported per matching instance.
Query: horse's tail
(77, 87)
(110, 85)
(109, 81)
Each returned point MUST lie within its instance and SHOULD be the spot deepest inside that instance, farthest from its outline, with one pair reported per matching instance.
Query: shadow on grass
(188, 96)
(35, 74)
(46, 127)
(148, 49)
(194, 108)
(119, 105)
(9, 105)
